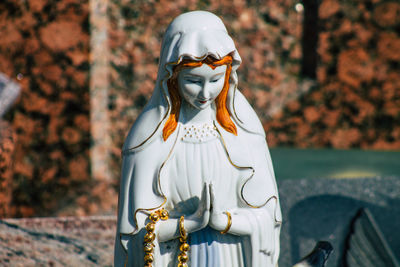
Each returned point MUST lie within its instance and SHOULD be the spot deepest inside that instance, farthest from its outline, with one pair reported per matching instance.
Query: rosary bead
(164, 215)
(149, 237)
(183, 257)
(154, 217)
(148, 258)
(184, 247)
(150, 227)
(148, 248)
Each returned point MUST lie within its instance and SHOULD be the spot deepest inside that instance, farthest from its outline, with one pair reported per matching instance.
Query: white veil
(195, 35)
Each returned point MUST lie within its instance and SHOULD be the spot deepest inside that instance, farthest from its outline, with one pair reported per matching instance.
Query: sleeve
(138, 194)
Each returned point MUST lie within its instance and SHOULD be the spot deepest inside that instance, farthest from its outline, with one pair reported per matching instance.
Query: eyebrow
(219, 74)
(190, 74)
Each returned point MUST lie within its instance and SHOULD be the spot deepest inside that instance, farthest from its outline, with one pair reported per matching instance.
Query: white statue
(197, 187)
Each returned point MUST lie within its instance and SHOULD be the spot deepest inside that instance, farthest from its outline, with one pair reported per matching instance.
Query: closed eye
(215, 80)
(217, 77)
(195, 81)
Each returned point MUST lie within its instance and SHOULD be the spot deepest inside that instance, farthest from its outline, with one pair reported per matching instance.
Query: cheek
(218, 88)
(188, 92)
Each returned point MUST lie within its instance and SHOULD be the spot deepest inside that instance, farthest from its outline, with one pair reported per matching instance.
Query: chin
(203, 106)
(200, 106)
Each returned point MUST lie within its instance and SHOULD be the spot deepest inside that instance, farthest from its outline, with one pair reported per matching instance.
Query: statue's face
(200, 86)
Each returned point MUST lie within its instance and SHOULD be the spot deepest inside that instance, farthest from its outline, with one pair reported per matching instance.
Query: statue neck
(188, 113)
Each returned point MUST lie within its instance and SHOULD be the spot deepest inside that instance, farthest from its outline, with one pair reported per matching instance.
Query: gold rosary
(184, 247)
(150, 236)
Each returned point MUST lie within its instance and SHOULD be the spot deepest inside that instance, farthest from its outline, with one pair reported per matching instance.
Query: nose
(205, 92)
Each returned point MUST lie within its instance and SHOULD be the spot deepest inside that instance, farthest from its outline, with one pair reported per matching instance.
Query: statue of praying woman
(197, 186)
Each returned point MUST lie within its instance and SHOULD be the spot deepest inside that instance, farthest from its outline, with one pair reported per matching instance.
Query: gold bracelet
(228, 226)
(149, 237)
(182, 230)
(184, 247)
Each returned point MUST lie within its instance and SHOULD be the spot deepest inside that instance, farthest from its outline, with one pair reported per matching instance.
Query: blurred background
(322, 75)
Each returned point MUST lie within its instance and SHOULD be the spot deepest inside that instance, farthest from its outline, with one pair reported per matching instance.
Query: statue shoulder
(245, 116)
(146, 127)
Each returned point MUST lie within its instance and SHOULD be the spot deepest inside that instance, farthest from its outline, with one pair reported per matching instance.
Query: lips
(203, 101)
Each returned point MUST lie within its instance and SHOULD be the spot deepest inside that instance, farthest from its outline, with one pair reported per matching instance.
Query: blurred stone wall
(356, 103)
(77, 104)
(7, 145)
(44, 46)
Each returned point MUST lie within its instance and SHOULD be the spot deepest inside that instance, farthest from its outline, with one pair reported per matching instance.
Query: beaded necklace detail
(199, 133)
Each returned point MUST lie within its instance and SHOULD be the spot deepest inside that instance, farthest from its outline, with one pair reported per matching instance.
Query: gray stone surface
(75, 241)
(322, 209)
(313, 210)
